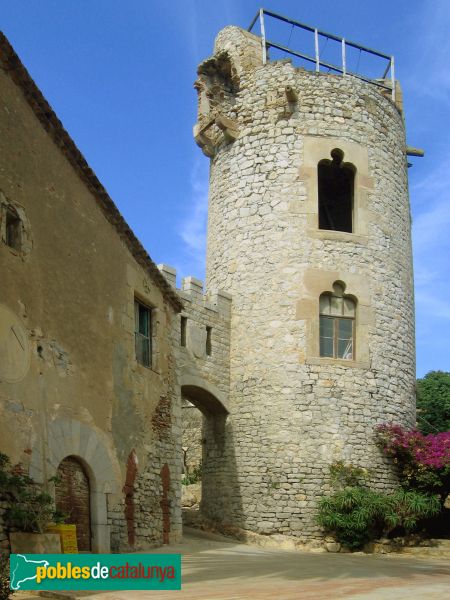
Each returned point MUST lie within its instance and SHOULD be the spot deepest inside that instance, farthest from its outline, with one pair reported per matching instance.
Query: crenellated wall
(202, 369)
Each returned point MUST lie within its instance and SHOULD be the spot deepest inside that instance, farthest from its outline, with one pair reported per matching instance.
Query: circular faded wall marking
(14, 347)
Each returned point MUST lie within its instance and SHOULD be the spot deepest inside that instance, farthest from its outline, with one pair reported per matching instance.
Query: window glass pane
(325, 304)
(326, 327)
(345, 349)
(142, 349)
(349, 307)
(326, 347)
(336, 306)
(326, 336)
(345, 328)
(338, 289)
(345, 339)
(144, 317)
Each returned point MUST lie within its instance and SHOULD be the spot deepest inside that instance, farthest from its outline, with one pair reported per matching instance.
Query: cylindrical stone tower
(309, 230)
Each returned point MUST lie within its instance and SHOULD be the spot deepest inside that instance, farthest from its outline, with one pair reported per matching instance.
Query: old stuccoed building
(301, 343)
(88, 386)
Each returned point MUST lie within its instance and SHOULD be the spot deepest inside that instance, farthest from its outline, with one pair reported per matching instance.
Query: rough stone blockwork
(202, 367)
(293, 412)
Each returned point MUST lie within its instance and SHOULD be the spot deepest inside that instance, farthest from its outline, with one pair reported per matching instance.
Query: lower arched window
(337, 324)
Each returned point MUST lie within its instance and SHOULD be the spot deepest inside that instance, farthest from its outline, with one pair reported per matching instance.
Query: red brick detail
(72, 495)
(162, 418)
(128, 490)
(165, 503)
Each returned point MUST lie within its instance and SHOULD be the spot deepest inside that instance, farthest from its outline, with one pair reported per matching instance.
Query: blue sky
(119, 75)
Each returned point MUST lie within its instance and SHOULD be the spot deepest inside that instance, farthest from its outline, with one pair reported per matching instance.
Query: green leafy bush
(5, 592)
(433, 402)
(30, 509)
(343, 475)
(356, 514)
(194, 477)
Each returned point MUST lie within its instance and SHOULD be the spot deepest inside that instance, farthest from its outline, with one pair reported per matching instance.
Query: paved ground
(218, 569)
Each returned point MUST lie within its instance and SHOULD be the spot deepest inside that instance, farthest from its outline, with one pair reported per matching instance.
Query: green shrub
(194, 477)
(5, 592)
(433, 402)
(356, 515)
(30, 509)
(343, 475)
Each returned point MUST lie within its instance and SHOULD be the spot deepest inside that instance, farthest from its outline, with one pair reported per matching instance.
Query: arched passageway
(204, 417)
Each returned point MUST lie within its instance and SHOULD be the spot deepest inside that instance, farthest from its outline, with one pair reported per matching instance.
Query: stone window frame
(344, 309)
(316, 149)
(315, 283)
(8, 208)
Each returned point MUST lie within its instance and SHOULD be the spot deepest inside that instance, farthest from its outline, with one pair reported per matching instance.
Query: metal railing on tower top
(317, 58)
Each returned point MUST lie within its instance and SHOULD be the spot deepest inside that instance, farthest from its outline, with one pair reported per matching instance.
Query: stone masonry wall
(192, 421)
(203, 379)
(292, 413)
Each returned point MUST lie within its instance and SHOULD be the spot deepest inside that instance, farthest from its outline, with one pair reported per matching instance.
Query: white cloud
(193, 228)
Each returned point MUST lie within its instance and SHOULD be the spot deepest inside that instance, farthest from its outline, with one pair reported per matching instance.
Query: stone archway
(206, 396)
(73, 498)
(68, 437)
(210, 433)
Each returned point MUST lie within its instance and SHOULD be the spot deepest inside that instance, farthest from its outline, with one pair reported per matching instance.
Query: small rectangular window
(183, 331)
(208, 341)
(13, 230)
(142, 333)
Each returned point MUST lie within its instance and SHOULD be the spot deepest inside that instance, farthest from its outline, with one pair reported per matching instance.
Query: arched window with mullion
(337, 324)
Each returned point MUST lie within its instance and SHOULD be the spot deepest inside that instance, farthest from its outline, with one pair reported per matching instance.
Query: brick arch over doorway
(68, 437)
(73, 498)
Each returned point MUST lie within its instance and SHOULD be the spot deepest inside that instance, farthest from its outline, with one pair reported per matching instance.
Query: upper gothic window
(336, 188)
(337, 324)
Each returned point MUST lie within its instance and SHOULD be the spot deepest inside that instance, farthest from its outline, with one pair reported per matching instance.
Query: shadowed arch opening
(204, 420)
(336, 182)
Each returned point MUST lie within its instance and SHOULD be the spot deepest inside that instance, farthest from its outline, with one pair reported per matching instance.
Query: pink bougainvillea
(423, 460)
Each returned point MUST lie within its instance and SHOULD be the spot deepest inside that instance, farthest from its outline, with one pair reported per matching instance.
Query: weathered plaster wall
(292, 413)
(75, 387)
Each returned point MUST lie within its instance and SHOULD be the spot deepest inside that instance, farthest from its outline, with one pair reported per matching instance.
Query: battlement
(192, 291)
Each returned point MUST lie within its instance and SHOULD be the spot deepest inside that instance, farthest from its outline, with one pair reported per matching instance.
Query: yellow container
(68, 535)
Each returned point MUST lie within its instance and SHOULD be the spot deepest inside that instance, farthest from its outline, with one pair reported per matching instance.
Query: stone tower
(309, 230)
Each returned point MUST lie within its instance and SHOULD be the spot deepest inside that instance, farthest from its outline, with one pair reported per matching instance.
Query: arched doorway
(73, 497)
(203, 443)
